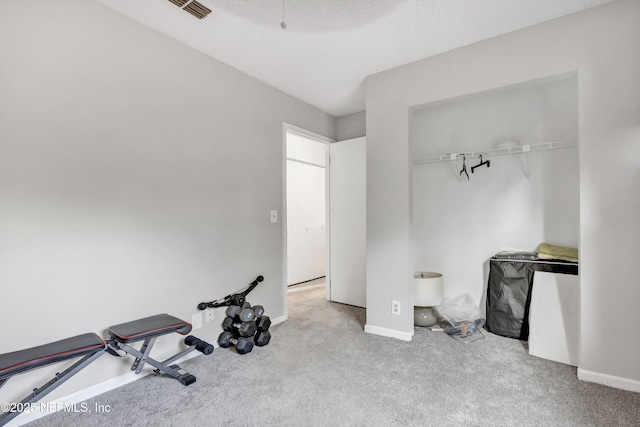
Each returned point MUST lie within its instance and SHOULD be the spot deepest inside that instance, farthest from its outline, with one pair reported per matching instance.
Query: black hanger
(486, 162)
(464, 167)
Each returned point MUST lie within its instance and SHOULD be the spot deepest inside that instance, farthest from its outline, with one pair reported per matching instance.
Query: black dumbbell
(262, 338)
(258, 311)
(200, 345)
(243, 345)
(245, 329)
(263, 323)
(243, 314)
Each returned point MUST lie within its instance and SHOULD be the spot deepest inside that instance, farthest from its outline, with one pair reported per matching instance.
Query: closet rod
(516, 149)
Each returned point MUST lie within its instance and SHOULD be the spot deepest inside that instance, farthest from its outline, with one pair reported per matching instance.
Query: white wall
(136, 178)
(351, 126)
(460, 223)
(602, 45)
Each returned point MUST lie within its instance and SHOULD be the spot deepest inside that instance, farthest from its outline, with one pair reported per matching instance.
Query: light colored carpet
(321, 369)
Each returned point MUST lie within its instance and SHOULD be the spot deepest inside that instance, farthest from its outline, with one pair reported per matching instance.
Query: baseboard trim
(80, 396)
(278, 319)
(609, 380)
(391, 333)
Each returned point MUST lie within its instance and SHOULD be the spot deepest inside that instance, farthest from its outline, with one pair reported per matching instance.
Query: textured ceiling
(330, 46)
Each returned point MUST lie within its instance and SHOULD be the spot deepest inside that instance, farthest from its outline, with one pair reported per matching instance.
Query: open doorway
(325, 216)
(307, 254)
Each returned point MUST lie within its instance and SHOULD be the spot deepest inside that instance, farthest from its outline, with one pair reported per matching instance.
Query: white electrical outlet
(208, 313)
(395, 307)
(196, 321)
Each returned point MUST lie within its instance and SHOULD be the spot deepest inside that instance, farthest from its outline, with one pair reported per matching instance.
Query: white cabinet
(554, 317)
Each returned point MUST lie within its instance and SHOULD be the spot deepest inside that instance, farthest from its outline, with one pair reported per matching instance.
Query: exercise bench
(90, 347)
(147, 330)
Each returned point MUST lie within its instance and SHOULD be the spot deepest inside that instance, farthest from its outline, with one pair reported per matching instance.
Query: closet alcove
(521, 200)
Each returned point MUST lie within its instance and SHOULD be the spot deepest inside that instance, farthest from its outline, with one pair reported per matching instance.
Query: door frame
(288, 127)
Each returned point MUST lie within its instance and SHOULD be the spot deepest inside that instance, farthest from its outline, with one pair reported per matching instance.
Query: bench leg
(174, 371)
(47, 388)
(176, 356)
(138, 364)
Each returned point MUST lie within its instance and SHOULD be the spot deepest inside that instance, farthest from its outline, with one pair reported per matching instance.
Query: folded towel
(547, 251)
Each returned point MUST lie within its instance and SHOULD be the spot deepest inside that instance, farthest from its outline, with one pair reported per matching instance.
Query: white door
(306, 240)
(348, 212)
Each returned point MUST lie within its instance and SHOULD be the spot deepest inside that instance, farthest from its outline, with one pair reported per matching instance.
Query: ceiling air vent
(197, 10)
(193, 7)
(179, 3)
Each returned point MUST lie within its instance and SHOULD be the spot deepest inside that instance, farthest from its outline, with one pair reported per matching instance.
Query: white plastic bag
(460, 318)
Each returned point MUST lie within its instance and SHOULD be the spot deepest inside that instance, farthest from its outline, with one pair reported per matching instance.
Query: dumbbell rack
(238, 298)
(244, 327)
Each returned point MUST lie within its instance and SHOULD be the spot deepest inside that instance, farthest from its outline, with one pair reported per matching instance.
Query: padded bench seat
(149, 327)
(36, 357)
(89, 347)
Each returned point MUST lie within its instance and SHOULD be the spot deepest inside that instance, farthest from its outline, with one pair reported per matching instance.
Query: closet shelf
(516, 149)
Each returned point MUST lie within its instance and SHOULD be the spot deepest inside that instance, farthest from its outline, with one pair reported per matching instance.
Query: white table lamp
(429, 293)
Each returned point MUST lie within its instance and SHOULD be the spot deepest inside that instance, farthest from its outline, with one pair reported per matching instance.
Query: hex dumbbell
(262, 338)
(244, 329)
(258, 311)
(243, 314)
(243, 345)
(263, 323)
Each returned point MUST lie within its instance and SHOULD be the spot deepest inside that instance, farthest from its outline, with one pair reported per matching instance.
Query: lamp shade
(429, 289)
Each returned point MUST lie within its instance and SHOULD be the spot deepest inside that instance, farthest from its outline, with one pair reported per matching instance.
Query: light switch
(274, 217)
